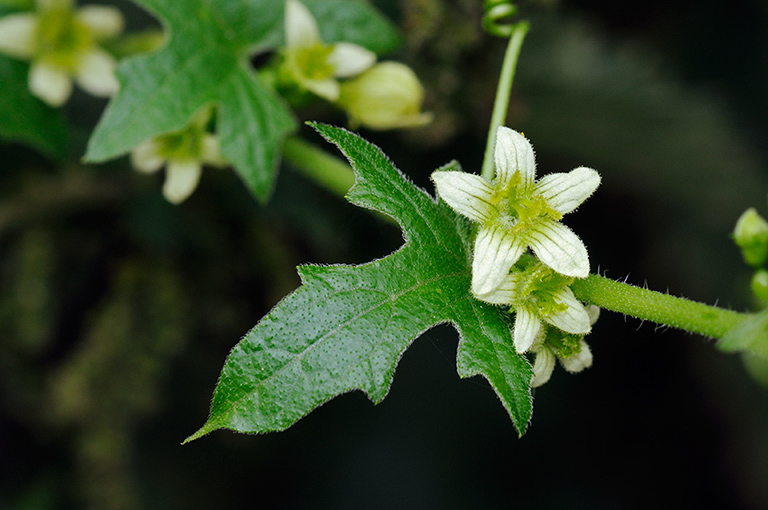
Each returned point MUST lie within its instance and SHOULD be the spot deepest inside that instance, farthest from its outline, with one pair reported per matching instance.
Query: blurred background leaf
(24, 118)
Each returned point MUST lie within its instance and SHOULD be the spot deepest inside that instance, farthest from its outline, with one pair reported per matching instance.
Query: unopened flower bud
(387, 96)
(579, 361)
(759, 284)
(751, 235)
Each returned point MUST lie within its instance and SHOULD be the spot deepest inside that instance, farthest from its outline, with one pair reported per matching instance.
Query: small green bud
(759, 284)
(751, 235)
(387, 96)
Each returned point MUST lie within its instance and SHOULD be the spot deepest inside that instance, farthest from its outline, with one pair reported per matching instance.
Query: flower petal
(145, 157)
(49, 83)
(211, 151)
(496, 250)
(104, 21)
(565, 192)
(543, 366)
(327, 89)
(527, 327)
(96, 73)
(467, 194)
(349, 59)
(300, 26)
(17, 35)
(49, 5)
(593, 312)
(574, 319)
(579, 361)
(181, 179)
(514, 153)
(559, 248)
(503, 294)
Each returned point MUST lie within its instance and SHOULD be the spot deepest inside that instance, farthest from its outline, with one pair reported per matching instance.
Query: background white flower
(62, 44)
(183, 154)
(313, 64)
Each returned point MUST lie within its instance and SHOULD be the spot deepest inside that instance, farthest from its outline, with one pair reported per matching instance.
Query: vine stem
(657, 307)
(503, 91)
(329, 171)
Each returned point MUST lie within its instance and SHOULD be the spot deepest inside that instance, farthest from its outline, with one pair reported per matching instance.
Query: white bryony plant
(312, 64)
(61, 43)
(183, 153)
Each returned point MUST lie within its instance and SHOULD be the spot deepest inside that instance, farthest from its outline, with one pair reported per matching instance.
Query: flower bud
(759, 285)
(751, 235)
(578, 361)
(387, 96)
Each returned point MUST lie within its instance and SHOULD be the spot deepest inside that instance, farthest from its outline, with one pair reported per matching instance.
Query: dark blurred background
(117, 310)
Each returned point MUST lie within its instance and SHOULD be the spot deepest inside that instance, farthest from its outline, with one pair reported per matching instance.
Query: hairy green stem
(655, 306)
(329, 171)
(504, 89)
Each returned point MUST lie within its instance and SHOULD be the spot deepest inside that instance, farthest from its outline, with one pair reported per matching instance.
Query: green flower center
(61, 38)
(564, 344)
(519, 203)
(312, 62)
(182, 145)
(537, 285)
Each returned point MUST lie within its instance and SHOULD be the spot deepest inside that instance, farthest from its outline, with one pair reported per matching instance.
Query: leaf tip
(204, 430)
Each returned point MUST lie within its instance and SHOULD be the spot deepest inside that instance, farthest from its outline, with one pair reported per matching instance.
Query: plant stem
(504, 89)
(329, 171)
(655, 306)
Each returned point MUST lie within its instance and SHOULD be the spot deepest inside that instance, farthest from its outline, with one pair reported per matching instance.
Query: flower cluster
(62, 44)
(386, 95)
(515, 212)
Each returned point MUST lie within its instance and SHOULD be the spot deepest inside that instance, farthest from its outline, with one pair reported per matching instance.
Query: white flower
(515, 212)
(315, 65)
(539, 295)
(183, 154)
(572, 351)
(61, 44)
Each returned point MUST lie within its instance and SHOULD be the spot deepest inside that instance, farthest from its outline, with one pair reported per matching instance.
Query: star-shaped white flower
(515, 212)
(313, 64)
(183, 154)
(572, 351)
(538, 295)
(62, 45)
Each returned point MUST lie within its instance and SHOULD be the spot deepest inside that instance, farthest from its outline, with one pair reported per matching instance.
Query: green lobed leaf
(346, 327)
(25, 118)
(206, 61)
